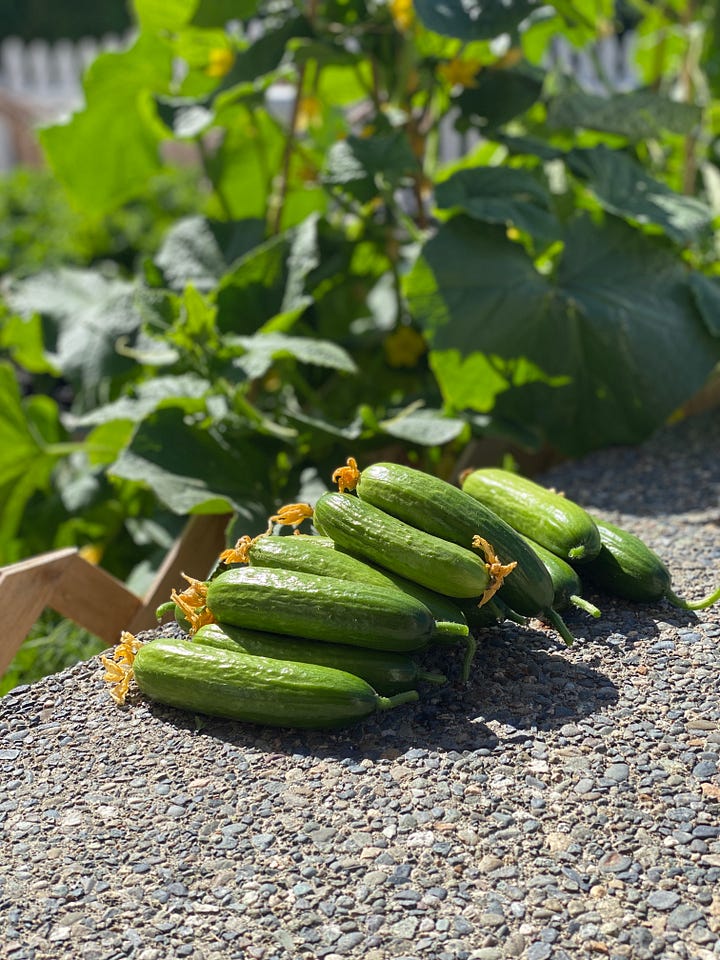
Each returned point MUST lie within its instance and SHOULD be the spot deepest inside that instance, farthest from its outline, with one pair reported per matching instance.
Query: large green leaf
(264, 348)
(30, 445)
(217, 13)
(498, 96)
(265, 53)
(425, 427)
(86, 316)
(617, 324)
(106, 153)
(200, 251)
(363, 166)
(243, 167)
(192, 469)
(706, 293)
(624, 188)
(186, 391)
(638, 115)
(474, 19)
(501, 195)
(253, 291)
(164, 14)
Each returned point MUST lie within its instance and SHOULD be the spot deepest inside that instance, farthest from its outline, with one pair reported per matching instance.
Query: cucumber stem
(450, 629)
(585, 605)
(577, 553)
(431, 676)
(516, 617)
(407, 696)
(164, 608)
(693, 604)
(470, 652)
(557, 621)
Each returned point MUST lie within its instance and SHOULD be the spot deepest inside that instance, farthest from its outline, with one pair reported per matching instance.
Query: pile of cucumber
(322, 630)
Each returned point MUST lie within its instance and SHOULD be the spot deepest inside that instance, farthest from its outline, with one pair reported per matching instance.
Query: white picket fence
(40, 82)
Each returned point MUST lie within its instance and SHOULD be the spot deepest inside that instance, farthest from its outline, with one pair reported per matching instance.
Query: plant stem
(276, 212)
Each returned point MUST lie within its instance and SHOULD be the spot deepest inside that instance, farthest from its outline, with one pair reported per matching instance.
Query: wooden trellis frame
(67, 583)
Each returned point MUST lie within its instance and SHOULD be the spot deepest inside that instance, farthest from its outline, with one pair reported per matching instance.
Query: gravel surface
(565, 802)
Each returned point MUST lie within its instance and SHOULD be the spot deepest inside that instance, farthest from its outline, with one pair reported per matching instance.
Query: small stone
(584, 785)
(617, 771)
(614, 862)
(539, 951)
(683, 917)
(663, 899)
(515, 945)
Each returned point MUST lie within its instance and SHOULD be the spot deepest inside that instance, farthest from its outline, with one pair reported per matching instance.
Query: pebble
(561, 803)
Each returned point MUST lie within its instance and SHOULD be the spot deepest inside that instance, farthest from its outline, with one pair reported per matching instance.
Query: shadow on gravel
(521, 678)
(515, 680)
(676, 471)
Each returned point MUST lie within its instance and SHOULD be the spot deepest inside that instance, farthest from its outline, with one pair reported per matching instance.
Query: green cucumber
(550, 519)
(252, 689)
(387, 673)
(366, 531)
(441, 509)
(319, 608)
(626, 567)
(566, 581)
(321, 555)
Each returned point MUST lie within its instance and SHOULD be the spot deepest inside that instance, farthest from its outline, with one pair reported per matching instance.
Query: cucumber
(550, 519)
(319, 608)
(566, 582)
(368, 532)
(626, 567)
(321, 555)
(387, 673)
(441, 509)
(260, 690)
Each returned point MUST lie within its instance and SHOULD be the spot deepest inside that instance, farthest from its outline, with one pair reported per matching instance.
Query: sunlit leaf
(638, 115)
(199, 251)
(30, 432)
(501, 195)
(101, 161)
(623, 187)
(164, 14)
(617, 325)
(426, 427)
(186, 392)
(195, 470)
(263, 348)
(86, 315)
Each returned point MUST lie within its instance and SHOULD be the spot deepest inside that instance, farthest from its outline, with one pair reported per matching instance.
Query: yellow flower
(513, 56)
(292, 514)
(119, 666)
(92, 552)
(347, 477)
(460, 73)
(220, 62)
(404, 347)
(402, 13)
(309, 113)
